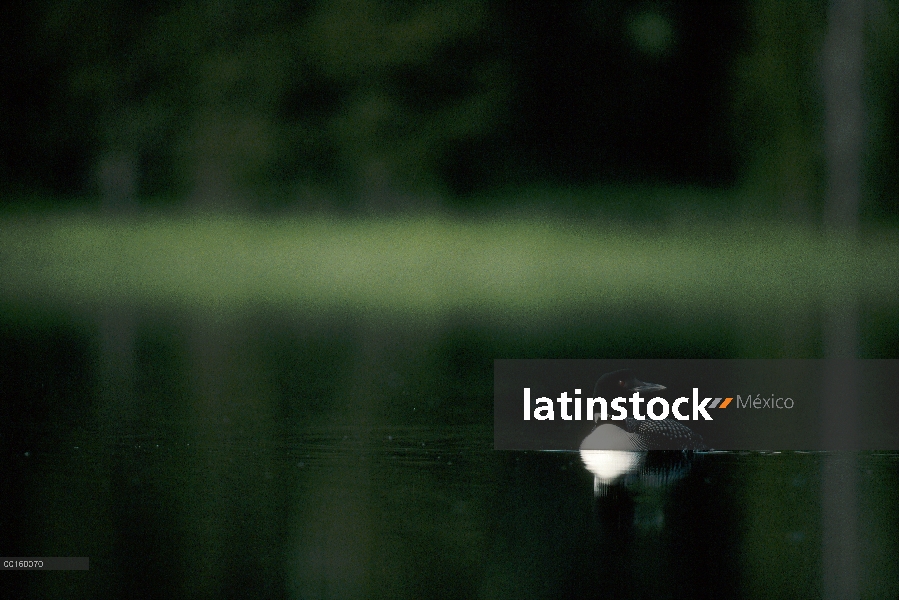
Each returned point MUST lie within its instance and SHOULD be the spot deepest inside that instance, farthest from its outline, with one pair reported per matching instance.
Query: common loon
(620, 453)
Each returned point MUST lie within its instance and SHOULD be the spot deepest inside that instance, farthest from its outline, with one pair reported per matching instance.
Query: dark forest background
(390, 104)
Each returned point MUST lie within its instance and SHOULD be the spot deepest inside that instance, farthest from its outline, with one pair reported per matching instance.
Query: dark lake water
(330, 457)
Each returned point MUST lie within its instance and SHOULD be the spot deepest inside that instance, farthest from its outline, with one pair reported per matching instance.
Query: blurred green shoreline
(427, 265)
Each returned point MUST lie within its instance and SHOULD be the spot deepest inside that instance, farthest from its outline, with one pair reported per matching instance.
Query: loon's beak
(642, 386)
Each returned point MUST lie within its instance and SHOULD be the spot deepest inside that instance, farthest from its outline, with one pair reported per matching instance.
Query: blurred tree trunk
(844, 112)
(117, 178)
(777, 116)
(777, 120)
(842, 68)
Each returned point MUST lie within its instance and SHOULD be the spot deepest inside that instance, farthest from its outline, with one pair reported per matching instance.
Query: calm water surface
(342, 460)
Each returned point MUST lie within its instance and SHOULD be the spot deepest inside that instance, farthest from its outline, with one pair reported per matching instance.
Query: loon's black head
(645, 433)
(622, 383)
